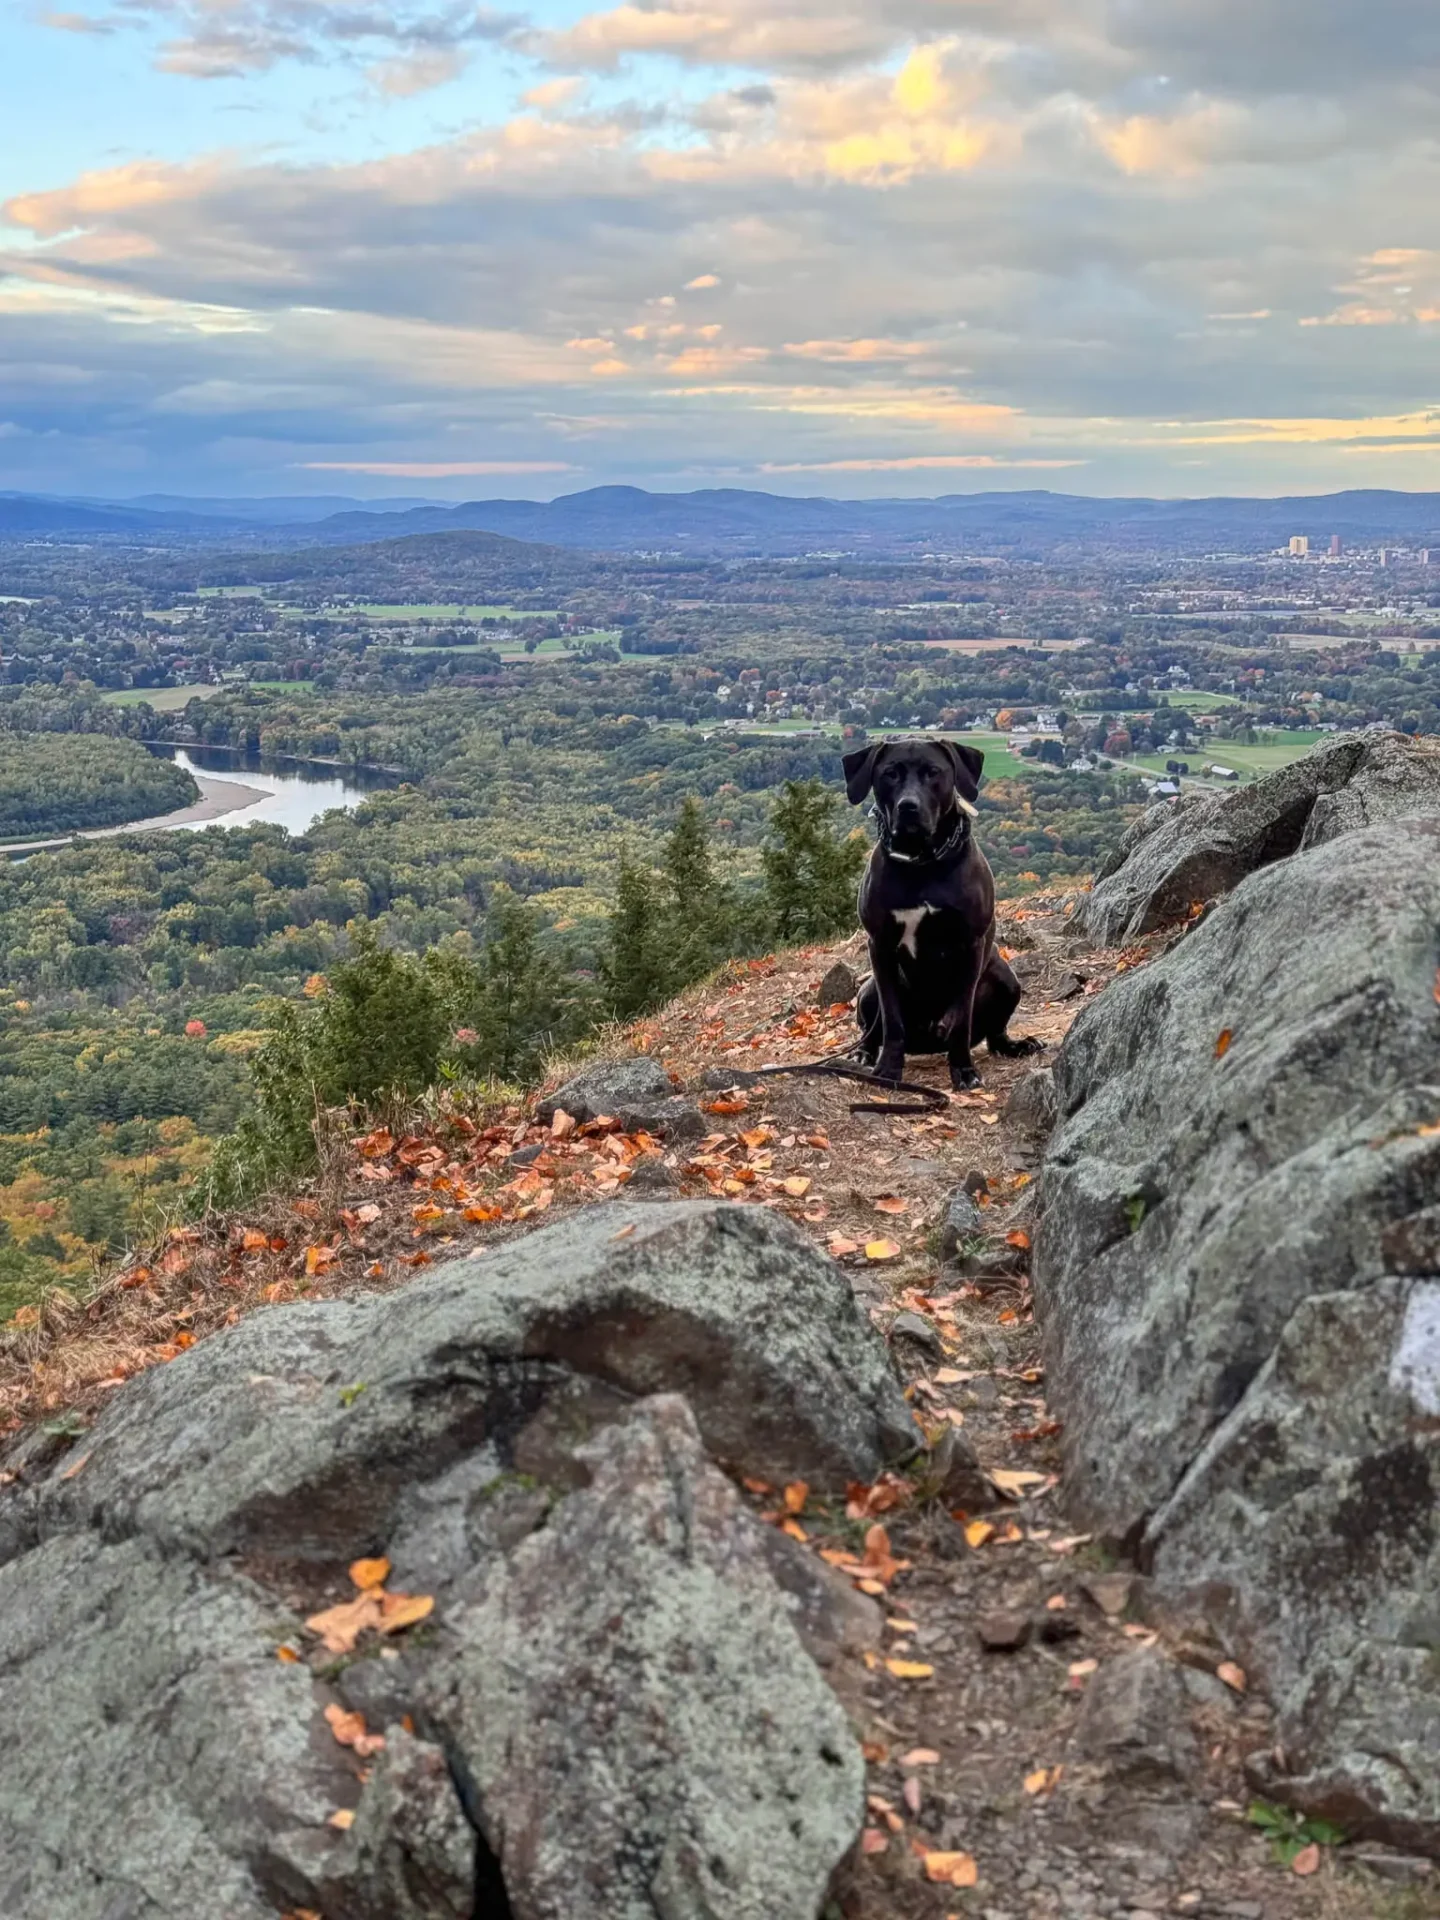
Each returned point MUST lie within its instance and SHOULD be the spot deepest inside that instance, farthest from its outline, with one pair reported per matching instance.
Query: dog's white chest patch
(909, 919)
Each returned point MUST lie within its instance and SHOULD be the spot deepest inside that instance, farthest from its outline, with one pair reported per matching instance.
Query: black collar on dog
(933, 855)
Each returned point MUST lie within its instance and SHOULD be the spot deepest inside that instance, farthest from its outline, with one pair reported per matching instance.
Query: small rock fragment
(1003, 1632)
(838, 987)
(1110, 1592)
(914, 1326)
(961, 1223)
(961, 1481)
(1134, 1720)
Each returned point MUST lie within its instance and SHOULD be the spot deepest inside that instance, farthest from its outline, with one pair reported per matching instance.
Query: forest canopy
(59, 783)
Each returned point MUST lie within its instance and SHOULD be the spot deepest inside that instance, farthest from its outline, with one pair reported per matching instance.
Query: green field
(228, 593)
(1197, 701)
(1278, 750)
(433, 610)
(549, 648)
(162, 699)
(285, 686)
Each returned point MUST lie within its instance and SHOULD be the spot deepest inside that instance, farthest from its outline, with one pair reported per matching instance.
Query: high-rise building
(1337, 546)
(1384, 556)
(1299, 546)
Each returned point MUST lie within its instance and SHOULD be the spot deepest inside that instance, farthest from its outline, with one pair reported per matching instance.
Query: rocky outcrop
(1192, 851)
(731, 1783)
(613, 1709)
(1238, 1270)
(636, 1091)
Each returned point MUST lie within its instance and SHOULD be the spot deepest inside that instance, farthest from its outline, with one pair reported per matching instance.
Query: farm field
(162, 699)
(448, 610)
(1249, 762)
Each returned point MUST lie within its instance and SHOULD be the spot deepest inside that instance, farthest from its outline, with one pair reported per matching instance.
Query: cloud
(908, 464)
(419, 72)
(222, 39)
(1034, 231)
(805, 35)
(436, 469)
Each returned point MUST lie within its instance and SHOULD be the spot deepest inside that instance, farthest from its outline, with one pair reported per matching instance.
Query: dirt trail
(994, 1618)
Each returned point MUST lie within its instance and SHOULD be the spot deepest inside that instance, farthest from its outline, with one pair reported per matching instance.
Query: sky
(845, 247)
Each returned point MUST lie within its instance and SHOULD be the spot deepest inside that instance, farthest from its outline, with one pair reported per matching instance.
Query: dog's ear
(859, 773)
(967, 762)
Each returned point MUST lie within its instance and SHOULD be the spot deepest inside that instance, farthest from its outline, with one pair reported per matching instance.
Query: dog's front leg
(883, 965)
(956, 1023)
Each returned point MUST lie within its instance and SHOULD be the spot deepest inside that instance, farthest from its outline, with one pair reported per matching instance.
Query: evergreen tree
(521, 1002)
(638, 968)
(698, 905)
(810, 875)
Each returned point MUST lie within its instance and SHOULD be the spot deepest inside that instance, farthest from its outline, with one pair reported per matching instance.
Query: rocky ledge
(552, 1666)
(1237, 1264)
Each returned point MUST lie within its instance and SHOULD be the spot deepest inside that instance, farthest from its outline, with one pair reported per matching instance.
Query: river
(237, 789)
(291, 793)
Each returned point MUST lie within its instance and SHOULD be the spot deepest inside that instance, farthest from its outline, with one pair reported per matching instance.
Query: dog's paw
(1016, 1046)
(890, 1071)
(964, 1079)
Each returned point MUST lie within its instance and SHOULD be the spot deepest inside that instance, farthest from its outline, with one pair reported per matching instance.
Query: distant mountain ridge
(1022, 523)
(628, 518)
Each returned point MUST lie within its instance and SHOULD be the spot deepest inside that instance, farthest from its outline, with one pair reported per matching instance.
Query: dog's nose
(908, 810)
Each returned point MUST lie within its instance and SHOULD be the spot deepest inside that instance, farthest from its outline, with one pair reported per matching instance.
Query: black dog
(928, 904)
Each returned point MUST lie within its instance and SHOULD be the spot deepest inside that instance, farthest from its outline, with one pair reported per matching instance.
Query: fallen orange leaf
(1222, 1045)
(253, 1241)
(344, 1819)
(369, 1573)
(840, 1246)
(350, 1731)
(1014, 1480)
(978, 1532)
(873, 1841)
(1307, 1861)
(1018, 1238)
(920, 1757)
(1233, 1676)
(951, 1869)
(881, 1250)
(794, 1529)
(340, 1627)
(797, 1186)
(910, 1669)
(890, 1203)
(796, 1494)
(288, 1655)
(404, 1609)
(75, 1467)
(1042, 1780)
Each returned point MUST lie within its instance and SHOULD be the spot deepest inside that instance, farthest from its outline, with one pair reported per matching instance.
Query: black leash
(935, 1101)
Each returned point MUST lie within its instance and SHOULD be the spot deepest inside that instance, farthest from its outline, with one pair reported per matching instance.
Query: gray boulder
(318, 1420)
(491, 1432)
(637, 1092)
(1231, 1271)
(685, 1720)
(1198, 848)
